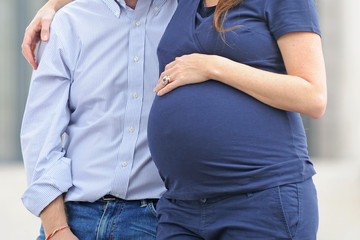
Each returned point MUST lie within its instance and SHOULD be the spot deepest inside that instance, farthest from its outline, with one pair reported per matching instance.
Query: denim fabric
(115, 220)
(284, 212)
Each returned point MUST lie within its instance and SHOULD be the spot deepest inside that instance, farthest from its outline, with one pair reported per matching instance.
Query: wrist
(53, 4)
(53, 216)
(57, 230)
(52, 221)
(215, 67)
(57, 4)
(48, 230)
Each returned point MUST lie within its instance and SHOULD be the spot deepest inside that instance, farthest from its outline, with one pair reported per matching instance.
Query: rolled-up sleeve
(46, 118)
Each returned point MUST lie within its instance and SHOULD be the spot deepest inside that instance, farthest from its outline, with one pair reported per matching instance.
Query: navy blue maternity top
(209, 139)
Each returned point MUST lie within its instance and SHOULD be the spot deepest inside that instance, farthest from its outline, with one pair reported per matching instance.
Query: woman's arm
(303, 90)
(40, 25)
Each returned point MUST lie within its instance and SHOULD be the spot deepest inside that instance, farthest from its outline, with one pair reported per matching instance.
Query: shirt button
(124, 164)
(131, 129)
(117, 195)
(136, 59)
(135, 95)
(138, 24)
(156, 9)
(117, 14)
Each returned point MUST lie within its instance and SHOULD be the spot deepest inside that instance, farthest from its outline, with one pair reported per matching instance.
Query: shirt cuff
(47, 188)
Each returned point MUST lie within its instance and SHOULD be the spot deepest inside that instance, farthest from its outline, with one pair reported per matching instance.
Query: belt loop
(143, 203)
(108, 198)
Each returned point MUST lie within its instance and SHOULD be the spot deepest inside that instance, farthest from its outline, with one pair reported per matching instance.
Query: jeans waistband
(143, 202)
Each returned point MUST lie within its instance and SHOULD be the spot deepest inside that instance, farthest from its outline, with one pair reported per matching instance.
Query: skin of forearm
(57, 4)
(286, 92)
(54, 216)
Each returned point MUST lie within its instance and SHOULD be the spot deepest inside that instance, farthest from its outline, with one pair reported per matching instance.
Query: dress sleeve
(45, 119)
(285, 16)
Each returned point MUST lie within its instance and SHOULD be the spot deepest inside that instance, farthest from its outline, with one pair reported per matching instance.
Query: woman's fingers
(168, 88)
(164, 80)
(45, 27)
(30, 40)
(38, 28)
(188, 69)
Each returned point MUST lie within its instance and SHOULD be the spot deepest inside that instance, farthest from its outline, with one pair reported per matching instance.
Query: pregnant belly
(211, 127)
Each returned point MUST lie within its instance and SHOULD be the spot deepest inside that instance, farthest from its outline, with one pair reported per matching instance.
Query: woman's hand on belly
(187, 69)
(302, 89)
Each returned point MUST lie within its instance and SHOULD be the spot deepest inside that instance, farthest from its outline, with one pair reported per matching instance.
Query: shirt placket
(134, 103)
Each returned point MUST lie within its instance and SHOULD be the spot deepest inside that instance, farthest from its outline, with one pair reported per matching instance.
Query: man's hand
(39, 29)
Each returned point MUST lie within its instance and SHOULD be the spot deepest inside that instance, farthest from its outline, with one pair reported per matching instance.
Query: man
(83, 136)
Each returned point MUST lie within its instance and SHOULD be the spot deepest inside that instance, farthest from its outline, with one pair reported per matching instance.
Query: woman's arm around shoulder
(38, 29)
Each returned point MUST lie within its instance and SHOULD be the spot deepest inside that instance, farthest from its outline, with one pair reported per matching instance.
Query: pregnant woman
(225, 130)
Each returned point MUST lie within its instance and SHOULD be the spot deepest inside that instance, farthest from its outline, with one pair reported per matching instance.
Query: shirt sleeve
(285, 16)
(45, 119)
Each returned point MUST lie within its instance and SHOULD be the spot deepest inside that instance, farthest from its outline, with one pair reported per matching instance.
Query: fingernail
(45, 37)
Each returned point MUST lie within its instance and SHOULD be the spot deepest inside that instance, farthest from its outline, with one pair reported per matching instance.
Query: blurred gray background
(334, 143)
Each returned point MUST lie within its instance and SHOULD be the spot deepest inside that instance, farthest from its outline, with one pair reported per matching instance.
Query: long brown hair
(221, 10)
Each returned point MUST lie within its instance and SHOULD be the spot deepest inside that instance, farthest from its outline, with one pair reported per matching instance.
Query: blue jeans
(116, 219)
(284, 212)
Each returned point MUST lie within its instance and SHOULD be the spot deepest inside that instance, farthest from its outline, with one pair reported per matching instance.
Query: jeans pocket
(152, 208)
(289, 200)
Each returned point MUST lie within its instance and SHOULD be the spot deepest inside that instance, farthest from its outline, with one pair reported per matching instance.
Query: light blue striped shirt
(94, 84)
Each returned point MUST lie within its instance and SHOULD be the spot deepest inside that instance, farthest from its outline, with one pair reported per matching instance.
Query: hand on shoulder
(39, 28)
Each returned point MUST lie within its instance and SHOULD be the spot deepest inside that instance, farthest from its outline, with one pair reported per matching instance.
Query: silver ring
(166, 80)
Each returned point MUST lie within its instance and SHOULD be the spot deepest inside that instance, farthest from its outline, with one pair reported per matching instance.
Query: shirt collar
(115, 6)
(121, 2)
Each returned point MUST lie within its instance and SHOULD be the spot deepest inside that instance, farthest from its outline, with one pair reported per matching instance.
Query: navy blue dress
(209, 139)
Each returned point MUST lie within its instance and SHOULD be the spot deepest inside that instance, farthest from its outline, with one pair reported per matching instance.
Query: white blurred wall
(14, 73)
(8, 101)
(337, 134)
(351, 86)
